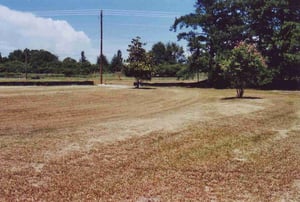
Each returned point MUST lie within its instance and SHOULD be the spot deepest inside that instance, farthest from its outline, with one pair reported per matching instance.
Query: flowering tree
(245, 66)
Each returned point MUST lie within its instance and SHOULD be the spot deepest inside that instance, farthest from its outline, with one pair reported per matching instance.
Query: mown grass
(60, 77)
(108, 78)
(237, 158)
(200, 163)
(267, 171)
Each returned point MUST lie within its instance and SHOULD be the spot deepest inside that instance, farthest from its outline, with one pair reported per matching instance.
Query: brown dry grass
(164, 144)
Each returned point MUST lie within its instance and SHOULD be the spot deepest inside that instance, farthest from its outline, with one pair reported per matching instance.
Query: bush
(168, 70)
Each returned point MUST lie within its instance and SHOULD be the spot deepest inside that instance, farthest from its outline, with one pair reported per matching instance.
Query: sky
(67, 27)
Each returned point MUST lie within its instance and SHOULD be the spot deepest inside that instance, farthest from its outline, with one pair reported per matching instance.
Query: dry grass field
(156, 144)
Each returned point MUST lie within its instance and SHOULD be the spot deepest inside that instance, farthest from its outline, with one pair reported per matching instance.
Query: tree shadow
(200, 84)
(242, 98)
(144, 88)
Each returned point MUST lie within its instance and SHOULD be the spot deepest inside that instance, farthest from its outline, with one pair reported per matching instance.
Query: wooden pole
(26, 62)
(101, 47)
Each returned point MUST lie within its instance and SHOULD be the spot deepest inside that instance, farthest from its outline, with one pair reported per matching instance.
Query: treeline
(217, 27)
(44, 62)
(168, 60)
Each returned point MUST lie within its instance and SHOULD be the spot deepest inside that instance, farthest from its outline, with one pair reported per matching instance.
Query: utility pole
(101, 47)
(26, 62)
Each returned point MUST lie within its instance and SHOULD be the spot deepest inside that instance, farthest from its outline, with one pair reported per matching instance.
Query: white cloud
(20, 30)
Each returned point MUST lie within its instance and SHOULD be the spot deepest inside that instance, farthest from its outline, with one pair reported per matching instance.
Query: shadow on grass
(243, 98)
(200, 84)
(144, 88)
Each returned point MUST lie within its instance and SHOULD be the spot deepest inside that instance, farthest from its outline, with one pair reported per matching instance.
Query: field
(116, 143)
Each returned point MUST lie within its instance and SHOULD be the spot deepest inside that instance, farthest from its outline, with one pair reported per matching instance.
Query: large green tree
(275, 27)
(42, 61)
(289, 67)
(140, 65)
(38, 61)
(169, 53)
(221, 24)
(218, 25)
(159, 53)
(168, 59)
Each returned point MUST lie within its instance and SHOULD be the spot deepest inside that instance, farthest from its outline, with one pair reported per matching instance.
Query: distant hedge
(45, 83)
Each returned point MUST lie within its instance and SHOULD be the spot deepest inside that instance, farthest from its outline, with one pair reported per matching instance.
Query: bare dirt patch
(163, 144)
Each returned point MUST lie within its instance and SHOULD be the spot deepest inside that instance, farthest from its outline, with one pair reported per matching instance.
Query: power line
(108, 12)
(139, 25)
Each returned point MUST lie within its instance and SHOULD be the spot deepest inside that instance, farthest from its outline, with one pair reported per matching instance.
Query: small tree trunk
(239, 92)
(138, 83)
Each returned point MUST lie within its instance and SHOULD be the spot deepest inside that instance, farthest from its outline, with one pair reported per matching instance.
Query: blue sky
(66, 27)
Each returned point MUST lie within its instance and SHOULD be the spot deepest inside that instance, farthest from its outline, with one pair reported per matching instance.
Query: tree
(17, 55)
(159, 53)
(218, 25)
(174, 53)
(290, 45)
(198, 60)
(105, 62)
(82, 58)
(85, 65)
(41, 61)
(1, 60)
(34, 61)
(170, 53)
(70, 66)
(245, 67)
(140, 65)
(12, 67)
(275, 28)
(116, 64)
(167, 58)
